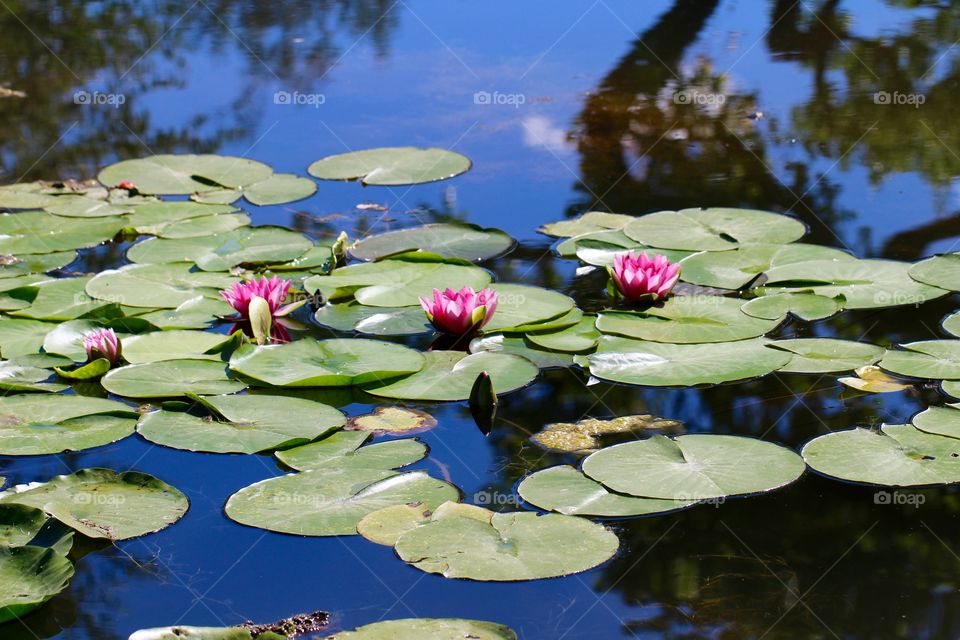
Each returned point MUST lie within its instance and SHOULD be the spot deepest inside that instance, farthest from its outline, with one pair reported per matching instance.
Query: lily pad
(687, 320)
(35, 425)
(580, 337)
(19, 524)
(941, 271)
(326, 363)
(806, 306)
(827, 355)
(565, 490)
(29, 577)
(25, 195)
(584, 436)
(872, 379)
(896, 456)
(33, 232)
(377, 321)
(428, 629)
(449, 376)
(454, 240)
(393, 420)
(87, 207)
(940, 421)
(154, 217)
(19, 336)
(604, 254)
(58, 299)
(172, 345)
(934, 359)
(694, 467)
(518, 345)
(13, 266)
(185, 174)
(330, 501)
(205, 226)
(391, 166)
(171, 378)
(280, 188)
(714, 229)
(20, 377)
(520, 306)
(586, 223)
(506, 546)
(241, 424)
(220, 252)
(196, 313)
(156, 286)
(737, 268)
(661, 364)
(101, 503)
(342, 449)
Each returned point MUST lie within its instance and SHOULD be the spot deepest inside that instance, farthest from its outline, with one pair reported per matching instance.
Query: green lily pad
(35, 425)
(694, 467)
(933, 359)
(806, 306)
(196, 313)
(565, 490)
(86, 207)
(342, 449)
(42, 232)
(391, 166)
(241, 424)
(506, 546)
(19, 524)
(454, 240)
(29, 577)
(13, 266)
(941, 271)
(428, 629)
(520, 306)
(205, 226)
(331, 500)
(601, 253)
(734, 269)
(951, 324)
(154, 217)
(20, 377)
(939, 421)
(280, 188)
(687, 320)
(172, 345)
(171, 378)
(449, 376)
(518, 345)
(714, 229)
(218, 196)
(393, 420)
(326, 363)
(584, 436)
(25, 195)
(220, 252)
(156, 285)
(19, 336)
(896, 456)
(580, 337)
(661, 364)
(395, 282)
(872, 379)
(58, 299)
(588, 222)
(827, 355)
(91, 370)
(377, 321)
(101, 503)
(185, 174)
(857, 284)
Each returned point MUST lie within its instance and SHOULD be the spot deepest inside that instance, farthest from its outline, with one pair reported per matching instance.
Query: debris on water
(293, 626)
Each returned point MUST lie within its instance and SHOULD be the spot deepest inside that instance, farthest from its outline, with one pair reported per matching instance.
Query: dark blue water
(581, 116)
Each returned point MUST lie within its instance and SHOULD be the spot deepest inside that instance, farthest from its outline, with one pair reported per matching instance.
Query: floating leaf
(19, 524)
(342, 449)
(951, 324)
(205, 226)
(185, 174)
(42, 232)
(806, 306)
(714, 229)
(934, 359)
(86, 207)
(156, 286)
(941, 271)
(939, 421)
(694, 467)
(13, 266)
(35, 425)
(172, 345)
(505, 546)
(589, 222)
(393, 420)
(29, 577)
(454, 240)
(326, 363)
(280, 188)
(101, 503)
(19, 377)
(567, 491)
(872, 379)
(25, 195)
(171, 378)
(154, 217)
(19, 336)
(580, 337)
(59, 299)
(734, 269)
(391, 166)
(428, 629)
(661, 364)
(196, 313)
(686, 320)
(520, 306)
(518, 346)
(600, 253)
(241, 424)
(896, 456)
(449, 376)
(220, 252)
(827, 355)
(377, 321)
(585, 436)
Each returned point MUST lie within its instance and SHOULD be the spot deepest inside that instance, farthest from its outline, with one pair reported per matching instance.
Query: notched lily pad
(391, 166)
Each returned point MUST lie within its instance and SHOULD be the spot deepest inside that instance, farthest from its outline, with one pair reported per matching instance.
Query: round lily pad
(694, 467)
(428, 629)
(280, 188)
(185, 174)
(450, 375)
(35, 425)
(393, 420)
(951, 324)
(377, 321)
(588, 222)
(940, 421)
(19, 524)
(934, 359)
(737, 268)
(33, 232)
(330, 501)
(172, 345)
(687, 320)
(342, 449)
(171, 378)
(806, 306)
(29, 577)
(585, 435)
(391, 166)
(454, 240)
(220, 252)
(101, 503)
(827, 355)
(241, 424)
(568, 491)
(13, 266)
(896, 456)
(941, 271)
(714, 229)
(582, 336)
(661, 364)
(326, 363)
(156, 286)
(520, 306)
(506, 546)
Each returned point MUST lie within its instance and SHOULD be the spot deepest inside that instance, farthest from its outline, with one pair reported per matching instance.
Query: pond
(836, 116)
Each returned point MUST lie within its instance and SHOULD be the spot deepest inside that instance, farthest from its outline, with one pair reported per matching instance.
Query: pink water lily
(102, 343)
(639, 277)
(274, 290)
(460, 313)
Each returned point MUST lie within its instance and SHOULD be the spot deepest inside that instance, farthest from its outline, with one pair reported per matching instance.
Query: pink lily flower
(460, 313)
(102, 343)
(273, 290)
(642, 278)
